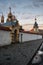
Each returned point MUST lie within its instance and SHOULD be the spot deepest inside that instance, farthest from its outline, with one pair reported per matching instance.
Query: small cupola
(2, 18)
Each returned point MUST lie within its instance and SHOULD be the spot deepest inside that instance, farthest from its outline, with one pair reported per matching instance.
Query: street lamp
(21, 37)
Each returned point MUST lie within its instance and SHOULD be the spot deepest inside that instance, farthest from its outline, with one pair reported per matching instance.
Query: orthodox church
(11, 31)
(11, 25)
(35, 28)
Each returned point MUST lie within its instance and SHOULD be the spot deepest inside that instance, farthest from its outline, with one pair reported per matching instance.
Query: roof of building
(40, 32)
(5, 28)
(32, 32)
(9, 23)
(19, 54)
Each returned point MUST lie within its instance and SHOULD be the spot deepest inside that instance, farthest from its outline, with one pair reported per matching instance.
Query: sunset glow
(24, 10)
(28, 27)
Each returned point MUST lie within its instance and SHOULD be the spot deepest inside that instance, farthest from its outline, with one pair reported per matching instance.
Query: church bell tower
(9, 15)
(35, 27)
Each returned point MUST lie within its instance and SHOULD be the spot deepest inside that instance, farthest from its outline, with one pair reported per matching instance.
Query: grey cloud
(40, 0)
(37, 3)
(37, 0)
(27, 6)
(40, 15)
(27, 16)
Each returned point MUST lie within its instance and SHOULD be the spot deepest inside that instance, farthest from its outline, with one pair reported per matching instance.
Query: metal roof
(8, 24)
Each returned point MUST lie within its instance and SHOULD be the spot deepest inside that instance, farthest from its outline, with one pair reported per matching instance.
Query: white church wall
(29, 37)
(5, 38)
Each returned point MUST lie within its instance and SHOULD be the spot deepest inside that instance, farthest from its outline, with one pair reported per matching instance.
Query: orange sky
(30, 26)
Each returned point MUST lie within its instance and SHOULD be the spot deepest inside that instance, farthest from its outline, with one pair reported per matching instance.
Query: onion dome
(9, 14)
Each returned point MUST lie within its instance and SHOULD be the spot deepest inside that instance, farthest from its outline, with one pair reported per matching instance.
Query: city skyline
(24, 10)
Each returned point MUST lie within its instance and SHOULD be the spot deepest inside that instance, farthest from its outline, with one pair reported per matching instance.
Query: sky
(24, 10)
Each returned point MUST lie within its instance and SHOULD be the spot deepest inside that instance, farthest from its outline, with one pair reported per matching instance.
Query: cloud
(38, 3)
(33, 4)
(27, 16)
(40, 0)
(37, 0)
(27, 6)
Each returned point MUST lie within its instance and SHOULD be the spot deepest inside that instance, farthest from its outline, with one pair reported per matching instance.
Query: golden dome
(10, 14)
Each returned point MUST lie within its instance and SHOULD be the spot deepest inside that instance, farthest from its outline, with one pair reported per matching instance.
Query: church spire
(10, 13)
(2, 18)
(35, 27)
(35, 24)
(10, 17)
